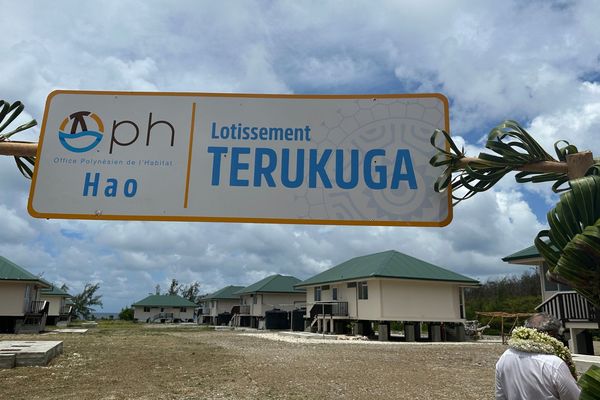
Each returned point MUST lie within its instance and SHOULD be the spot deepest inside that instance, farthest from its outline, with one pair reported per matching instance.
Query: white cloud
(526, 61)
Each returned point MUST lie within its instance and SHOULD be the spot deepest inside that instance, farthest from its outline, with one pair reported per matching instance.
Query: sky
(537, 62)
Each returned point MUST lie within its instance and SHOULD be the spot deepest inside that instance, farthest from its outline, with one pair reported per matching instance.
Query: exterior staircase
(34, 320)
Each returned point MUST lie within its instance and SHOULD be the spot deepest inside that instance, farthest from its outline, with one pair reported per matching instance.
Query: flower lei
(532, 341)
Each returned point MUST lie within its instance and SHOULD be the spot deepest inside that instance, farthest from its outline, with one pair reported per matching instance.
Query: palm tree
(571, 245)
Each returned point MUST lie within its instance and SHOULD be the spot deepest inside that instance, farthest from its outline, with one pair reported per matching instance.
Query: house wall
(12, 297)
(141, 315)
(220, 306)
(396, 300)
(56, 304)
(419, 301)
(268, 301)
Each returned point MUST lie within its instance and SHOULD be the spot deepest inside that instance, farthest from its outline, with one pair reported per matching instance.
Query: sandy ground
(116, 361)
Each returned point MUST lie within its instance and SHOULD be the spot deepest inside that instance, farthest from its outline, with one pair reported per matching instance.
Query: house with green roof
(275, 292)
(58, 309)
(559, 300)
(164, 308)
(385, 287)
(220, 306)
(21, 309)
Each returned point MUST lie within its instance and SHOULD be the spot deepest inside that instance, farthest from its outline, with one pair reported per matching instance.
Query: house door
(352, 300)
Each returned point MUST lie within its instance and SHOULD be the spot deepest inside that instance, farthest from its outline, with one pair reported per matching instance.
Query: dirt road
(117, 361)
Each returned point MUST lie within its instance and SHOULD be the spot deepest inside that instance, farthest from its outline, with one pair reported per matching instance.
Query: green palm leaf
(512, 148)
(571, 245)
(8, 113)
(590, 384)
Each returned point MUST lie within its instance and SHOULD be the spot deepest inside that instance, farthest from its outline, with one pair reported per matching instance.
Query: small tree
(191, 291)
(84, 302)
(126, 314)
(175, 287)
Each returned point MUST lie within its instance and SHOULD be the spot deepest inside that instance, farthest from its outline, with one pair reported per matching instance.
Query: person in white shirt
(531, 367)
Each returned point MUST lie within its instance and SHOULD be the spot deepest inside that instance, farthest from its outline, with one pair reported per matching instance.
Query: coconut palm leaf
(512, 148)
(571, 245)
(590, 384)
(8, 113)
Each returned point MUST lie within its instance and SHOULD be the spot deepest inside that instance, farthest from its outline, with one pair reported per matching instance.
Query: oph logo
(81, 138)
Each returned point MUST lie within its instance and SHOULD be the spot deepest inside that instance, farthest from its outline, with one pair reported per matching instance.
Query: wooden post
(579, 163)
(20, 149)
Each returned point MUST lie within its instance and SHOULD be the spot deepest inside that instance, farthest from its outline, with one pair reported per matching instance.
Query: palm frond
(8, 113)
(571, 245)
(512, 147)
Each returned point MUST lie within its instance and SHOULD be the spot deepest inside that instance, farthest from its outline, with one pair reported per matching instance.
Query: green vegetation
(512, 294)
(84, 302)
(126, 314)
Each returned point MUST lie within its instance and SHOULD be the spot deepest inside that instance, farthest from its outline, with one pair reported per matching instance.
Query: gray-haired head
(544, 322)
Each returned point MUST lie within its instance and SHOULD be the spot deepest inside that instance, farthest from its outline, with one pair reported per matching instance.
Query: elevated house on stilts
(387, 287)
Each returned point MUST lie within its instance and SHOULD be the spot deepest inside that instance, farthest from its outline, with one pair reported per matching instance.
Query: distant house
(21, 307)
(385, 287)
(273, 292)
(59, 306)
(220, 306)
(576, 313)
(164, 308)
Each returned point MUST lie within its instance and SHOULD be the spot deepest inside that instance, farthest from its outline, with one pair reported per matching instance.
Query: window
(318, 293)
(334, 293)
(162, 309)
(183, 309)
(254, 299)
(351, 285)
(461, 300)
(325, 287)
(146, 309)
(363, 291)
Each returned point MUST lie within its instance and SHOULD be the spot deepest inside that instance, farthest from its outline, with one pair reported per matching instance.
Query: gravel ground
(135, 362)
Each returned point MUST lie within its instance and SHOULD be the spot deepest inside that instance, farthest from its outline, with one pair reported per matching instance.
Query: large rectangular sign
(309, 159)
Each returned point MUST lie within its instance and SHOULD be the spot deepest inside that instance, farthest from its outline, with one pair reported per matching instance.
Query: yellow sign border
(54, 93)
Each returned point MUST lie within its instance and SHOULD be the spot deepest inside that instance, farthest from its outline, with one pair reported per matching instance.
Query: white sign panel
(353, 160)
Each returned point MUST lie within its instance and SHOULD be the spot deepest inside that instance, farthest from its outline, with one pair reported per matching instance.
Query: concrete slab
(28, 353)
(7, 360)
(583, 362)
(66, 330)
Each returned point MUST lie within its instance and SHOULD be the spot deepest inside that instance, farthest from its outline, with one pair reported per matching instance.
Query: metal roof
(9, 271)
(388, 264)
(273, 284)
(160, 300)
(54, 290)
(529, 253)
(228, 292)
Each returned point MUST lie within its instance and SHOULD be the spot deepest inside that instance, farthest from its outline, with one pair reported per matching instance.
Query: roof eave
(473, 282)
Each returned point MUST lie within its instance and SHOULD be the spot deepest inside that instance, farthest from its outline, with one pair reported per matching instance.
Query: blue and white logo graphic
(81, 138)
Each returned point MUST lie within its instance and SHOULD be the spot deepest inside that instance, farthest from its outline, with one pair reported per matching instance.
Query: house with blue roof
(382, 288)
(21, 307)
